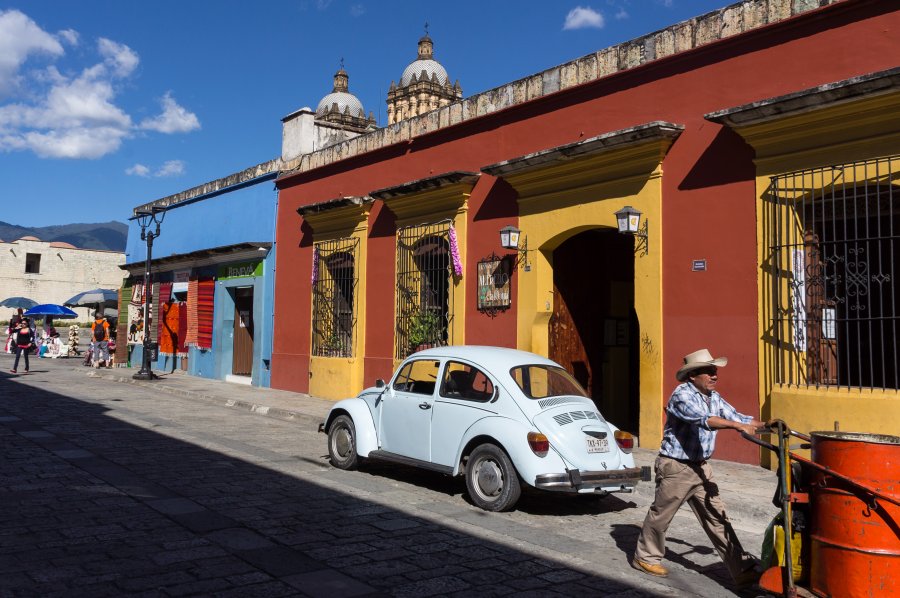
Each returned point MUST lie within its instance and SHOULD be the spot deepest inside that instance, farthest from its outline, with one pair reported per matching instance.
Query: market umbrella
(51, 310)
(106, 297)
(16, 302)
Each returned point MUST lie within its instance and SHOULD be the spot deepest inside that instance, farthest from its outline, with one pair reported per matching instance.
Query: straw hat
(696, 360)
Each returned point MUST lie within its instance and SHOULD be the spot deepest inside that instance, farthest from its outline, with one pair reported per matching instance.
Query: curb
(255, 408)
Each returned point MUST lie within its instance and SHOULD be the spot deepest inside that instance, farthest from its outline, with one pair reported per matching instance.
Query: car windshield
(542, 381)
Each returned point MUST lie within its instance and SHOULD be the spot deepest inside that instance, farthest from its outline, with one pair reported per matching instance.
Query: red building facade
(557, 161)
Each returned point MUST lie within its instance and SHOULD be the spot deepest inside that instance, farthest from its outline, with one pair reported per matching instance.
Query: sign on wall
(240, 270)
(493, 285)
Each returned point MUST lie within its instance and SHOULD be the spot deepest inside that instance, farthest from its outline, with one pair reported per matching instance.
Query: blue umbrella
(16, 302)
(94, 297)
(52, 310)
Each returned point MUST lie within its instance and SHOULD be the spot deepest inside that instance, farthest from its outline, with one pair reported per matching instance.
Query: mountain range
(104, 235)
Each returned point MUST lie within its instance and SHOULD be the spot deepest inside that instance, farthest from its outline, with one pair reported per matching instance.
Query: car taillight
(624, 440)
(539, 444)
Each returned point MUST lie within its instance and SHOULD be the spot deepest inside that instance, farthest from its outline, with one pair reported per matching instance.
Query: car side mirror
(379, 383)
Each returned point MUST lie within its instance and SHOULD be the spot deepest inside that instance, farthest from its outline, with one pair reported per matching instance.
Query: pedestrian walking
(100, 338)
(694, 415)
(23, 341)
(12, 329)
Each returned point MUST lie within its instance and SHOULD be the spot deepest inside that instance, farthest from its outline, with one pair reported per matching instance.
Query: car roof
(493, 358)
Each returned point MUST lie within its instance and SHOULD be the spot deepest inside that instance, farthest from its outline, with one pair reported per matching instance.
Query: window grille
(334, 292)
(833, 241)
(424, 288)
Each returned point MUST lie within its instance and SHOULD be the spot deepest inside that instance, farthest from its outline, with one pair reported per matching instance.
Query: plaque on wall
(493, 285)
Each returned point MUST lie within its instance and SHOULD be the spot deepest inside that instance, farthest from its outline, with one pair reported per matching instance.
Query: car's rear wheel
(342, 443)
(491, 479)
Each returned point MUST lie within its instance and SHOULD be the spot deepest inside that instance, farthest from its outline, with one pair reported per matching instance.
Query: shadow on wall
(727, 159)
(133, 509)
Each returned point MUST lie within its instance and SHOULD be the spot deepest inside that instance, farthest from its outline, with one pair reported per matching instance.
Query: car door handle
(424, 405)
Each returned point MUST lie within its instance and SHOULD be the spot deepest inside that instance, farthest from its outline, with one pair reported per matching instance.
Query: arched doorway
(593, 331)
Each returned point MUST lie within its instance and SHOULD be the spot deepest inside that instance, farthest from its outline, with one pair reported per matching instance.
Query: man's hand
(750, 429)
(720, 423)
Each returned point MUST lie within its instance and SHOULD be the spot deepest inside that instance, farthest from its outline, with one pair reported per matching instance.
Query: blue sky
(105, 104)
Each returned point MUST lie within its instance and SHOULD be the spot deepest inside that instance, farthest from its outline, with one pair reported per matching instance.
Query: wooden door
(242, 360)
(592, 330)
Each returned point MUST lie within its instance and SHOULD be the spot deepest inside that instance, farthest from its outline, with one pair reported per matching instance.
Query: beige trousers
(677, 482)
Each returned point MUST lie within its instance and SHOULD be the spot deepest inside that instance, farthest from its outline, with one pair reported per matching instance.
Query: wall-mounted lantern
(628, 220)
(510, 239)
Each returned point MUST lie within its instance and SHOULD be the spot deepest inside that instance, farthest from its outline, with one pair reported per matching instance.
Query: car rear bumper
(573, 480)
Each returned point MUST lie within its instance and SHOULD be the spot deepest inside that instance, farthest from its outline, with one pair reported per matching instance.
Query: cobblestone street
(111, 488)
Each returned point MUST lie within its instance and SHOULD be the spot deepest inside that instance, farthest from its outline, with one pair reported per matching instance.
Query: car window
(419, 377)
(462, 381)
(542, 381)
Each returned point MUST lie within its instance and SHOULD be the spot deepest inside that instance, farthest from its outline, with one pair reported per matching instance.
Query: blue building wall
(244, 213)
(236, 215)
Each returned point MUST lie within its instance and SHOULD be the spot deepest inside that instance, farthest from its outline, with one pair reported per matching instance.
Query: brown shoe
(655, 570)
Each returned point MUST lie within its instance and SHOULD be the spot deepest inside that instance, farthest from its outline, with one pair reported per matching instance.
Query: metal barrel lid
(857, 437)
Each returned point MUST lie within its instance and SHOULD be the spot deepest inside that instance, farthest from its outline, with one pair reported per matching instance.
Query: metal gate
(833, 240)
(424, 287)
(334, 290)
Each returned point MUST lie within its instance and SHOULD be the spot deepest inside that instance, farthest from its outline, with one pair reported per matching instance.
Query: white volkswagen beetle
(500, 417)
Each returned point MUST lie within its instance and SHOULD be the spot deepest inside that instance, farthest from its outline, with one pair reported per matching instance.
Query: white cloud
(70, 36)
(81, 142)
(668, 3)
(621, 14)
(64, 115)
(174, 118)
(357, 10)
(322, 4)
(138, 170)
(119, 57)
(170, 168)
(20, 37)
(583, 17)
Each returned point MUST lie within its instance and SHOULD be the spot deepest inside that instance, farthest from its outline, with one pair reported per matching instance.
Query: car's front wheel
(342, 443)
(492, 479)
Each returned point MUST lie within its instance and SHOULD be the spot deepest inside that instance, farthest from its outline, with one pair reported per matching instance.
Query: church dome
(424, 62)
(340, 95)
(343, 100)
(431, 67)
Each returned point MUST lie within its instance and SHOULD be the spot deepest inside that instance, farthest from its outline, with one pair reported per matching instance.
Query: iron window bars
(424, 307)
(334, 291)
(833, 240)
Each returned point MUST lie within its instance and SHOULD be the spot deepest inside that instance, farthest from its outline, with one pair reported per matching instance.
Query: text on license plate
(597, 445)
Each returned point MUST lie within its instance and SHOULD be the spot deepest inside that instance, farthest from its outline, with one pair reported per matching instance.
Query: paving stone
(327, 583)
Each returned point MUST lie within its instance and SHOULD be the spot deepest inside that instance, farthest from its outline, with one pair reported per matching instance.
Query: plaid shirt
(687, 436)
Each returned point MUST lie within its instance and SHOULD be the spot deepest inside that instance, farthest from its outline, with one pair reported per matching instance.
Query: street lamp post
(145, 220)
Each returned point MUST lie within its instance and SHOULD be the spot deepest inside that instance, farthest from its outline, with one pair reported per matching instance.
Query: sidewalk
(746, 489)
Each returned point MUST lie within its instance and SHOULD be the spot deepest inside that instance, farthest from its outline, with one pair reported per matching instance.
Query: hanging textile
(135, 315)
(206, 292)
(154, 313)
(190, 337)
(121, 355)
(161, 297)
(181, 349)
(168, 336)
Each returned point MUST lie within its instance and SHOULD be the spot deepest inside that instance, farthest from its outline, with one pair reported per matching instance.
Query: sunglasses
(710, 371)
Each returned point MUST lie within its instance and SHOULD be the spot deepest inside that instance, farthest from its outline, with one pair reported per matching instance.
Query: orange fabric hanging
(170, 325)
(190, 337)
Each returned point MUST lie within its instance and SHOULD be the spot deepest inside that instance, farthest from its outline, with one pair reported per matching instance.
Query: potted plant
(424, 330)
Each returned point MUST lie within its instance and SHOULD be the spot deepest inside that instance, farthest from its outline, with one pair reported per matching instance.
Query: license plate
(597, 445)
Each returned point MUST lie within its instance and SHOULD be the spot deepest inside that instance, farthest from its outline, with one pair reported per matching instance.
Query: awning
(204, 257)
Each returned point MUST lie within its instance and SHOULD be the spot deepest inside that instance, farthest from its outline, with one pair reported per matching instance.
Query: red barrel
(855, 548)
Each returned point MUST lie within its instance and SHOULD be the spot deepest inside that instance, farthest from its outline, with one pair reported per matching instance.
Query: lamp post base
(142, 375)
